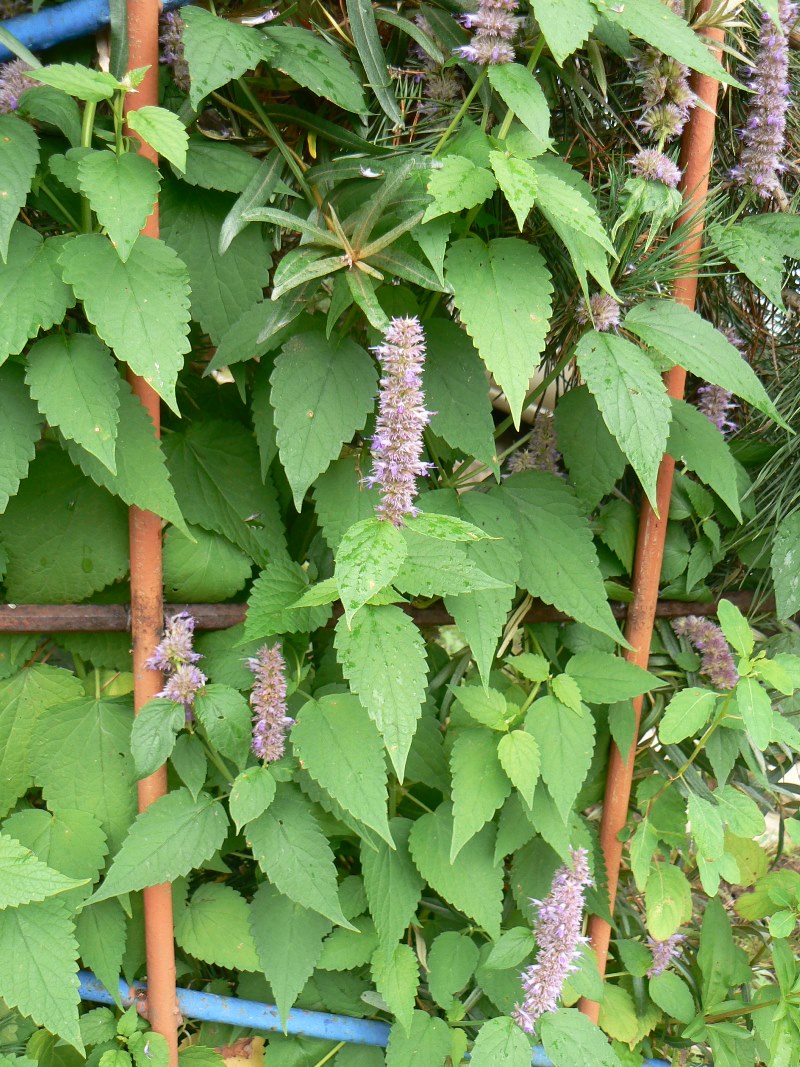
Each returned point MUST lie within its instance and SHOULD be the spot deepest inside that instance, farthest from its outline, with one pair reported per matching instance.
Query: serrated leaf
(341, 499)
(271, 610)
(225, 716)
(102, 934)
(452, 959)
(288, 939)
(605, 679)
(162, 130)
(155, 728)
(512, 947)
(218, 165)
(32, 294)
(321, 393)
(140, 308)
(686, 714)
(479, 785)
(317, 65)
(736, 628)
(673, 996)
(439, 567)
(219, 51)
(122, 191)
(24, 878)
(369, 556)
(668, 900)
(472, 883)
(516, 180)
(445, 527)
(486, 706)
(566, 690)
(758, 246)
(395, 971)
(190, 763)
(20, 429)
(632, 400)
(392, 883)
(291, 849)
(426, 1041)
(592, 456)
(565, 739)
(78, 81)
(168, 840)
(457, 184)
(383, 658)
(251, 794)
(755, 707)
(341, 750)
(54, 108)
(509, 331)
(565, 26)
(74, 381)
(215, 927)
(567, 205)
(501, 1041)
(346, 950)
(696, 441)
(785, 565)
(19, 156)
(571, 1040)
(518, 88)
(521, 760)
(206, 569)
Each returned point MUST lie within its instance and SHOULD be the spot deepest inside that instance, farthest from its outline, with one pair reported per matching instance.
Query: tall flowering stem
(402, 417)
(495, 26)
(171, 27)
(542, 452)
(175, 656)
(664, 952)
(268, 701)
(557, 928)
(717, 659)
(666, 95)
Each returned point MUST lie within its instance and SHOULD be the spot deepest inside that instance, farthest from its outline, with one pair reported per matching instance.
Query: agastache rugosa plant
(171, 39)
(716, 658)
(402, 417)
(542, 452)
(716, 403)
(654, 166)
(602, 312)
(495, 27)
(557, 928)
(175, 656)
(666, 95)
(664, 952)
(268, 701)
(13, 83)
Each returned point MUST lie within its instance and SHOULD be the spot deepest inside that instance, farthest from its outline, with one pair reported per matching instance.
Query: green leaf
(521, 760)
(218, 51)
(163, 131)
(486, 706)
(565, 739)
(457, 184)
(341, 500)
(288, 939)
(218, 165)
(207, 569)
(686, 715)
(142, 478)
(395, 971)
(689, 341)
(508, 329)
(668, 900)
(54, 108)
(322, 394)
(215, 928)
(566, 690)
(20, 429)
(518, 88)
(755, 707)
(223, 287)
(605, 679)
(225, 716)
(78, 81)
(445, 527)
(479, 785)
(19, 155)
(251, 794)
(140, 308)
(392, 883)
(291, 849)
(568, 205)
(271, 610)
(592, 456)
(758, 246)
(61, 512)
(168, 840)
(736, 628)
(74, 380)
(256, 193)
(571, 1040)
(740, 812)
(32, 294)
(472, 883)
(511, 949)
(340, 748)
(696, 441)
(189, 761)
(101, 933)
(24, 878)
(363, 27)
(369, 556)
(452, 959)
(785, 564)
(565, 26)
(434, 567)
(559, 562)
(153, 734)
(632, 400)
(383, 658)
(427, 1041)
(317, 65)
(122, 191)
(39, 977)
(345, 950)
(515, 178)
(500, 1040)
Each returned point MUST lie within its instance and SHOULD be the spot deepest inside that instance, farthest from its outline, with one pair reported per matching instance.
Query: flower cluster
(557, 927)
(602, 312)
(402, 417)
(763, 137)
(495, 27)
(666, 95)
(441, 85)
(716, 403)
(176, 657)
(13, 83)
(268, 701)
(654, 166)
(542, 452)
(663, 952)
(171, 40)
(716, 657)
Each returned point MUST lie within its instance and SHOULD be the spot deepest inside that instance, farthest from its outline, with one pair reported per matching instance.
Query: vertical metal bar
(697, 145)
(147, 609)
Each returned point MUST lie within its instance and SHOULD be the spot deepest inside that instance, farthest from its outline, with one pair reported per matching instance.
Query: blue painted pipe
(209, 1007)
(62, 22)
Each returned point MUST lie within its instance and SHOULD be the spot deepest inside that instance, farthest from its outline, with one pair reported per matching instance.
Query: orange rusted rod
(697, 144)
(147, 609)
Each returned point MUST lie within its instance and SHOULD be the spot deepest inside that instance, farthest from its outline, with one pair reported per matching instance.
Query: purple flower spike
(13, 83)
(495, 27)
(666, 95)
(542, 452)
(175, 656)
(717, 403)
(664, 952)
(602, 312)
(172, 53)
(268, 701)
(654, 166)
(716, 659)
(397, 444)
(558, 933)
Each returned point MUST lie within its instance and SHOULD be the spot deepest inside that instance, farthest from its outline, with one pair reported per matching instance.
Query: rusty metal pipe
(147, 608)
(697, 145)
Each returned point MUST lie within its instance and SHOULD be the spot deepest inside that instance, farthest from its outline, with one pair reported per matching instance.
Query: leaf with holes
(122, 191)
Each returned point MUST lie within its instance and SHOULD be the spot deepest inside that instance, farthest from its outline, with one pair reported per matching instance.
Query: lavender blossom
(175, 656)
(717, 403)
(268, 701)
(716, 660)
(13, 83)
(602, 312)
(495, 26)
(558, 933)
(763, 137)
(397, 444)
(666, 95)
(654, 166)
(664, 952)
(172, 54)
(542, 452)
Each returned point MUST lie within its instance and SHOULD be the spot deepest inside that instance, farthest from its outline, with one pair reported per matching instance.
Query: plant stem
(329, 1056)
(292, 160)
(217, 761)
(87, 130)
(67, 214)
(476, 86)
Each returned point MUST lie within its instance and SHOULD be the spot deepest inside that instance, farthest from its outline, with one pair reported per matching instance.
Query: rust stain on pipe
(697, 145)
(147, 608)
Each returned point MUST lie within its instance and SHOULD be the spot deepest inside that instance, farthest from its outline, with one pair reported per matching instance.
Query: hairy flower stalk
(716, 658)
(666, 95)
(13, 83)
(402, 417)
(495, 27)
(542, 452)
(268, 701)
(764, 134)
(602, 312)
(172, 54)
(175, 656)
(557, 928)
(664, 952)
